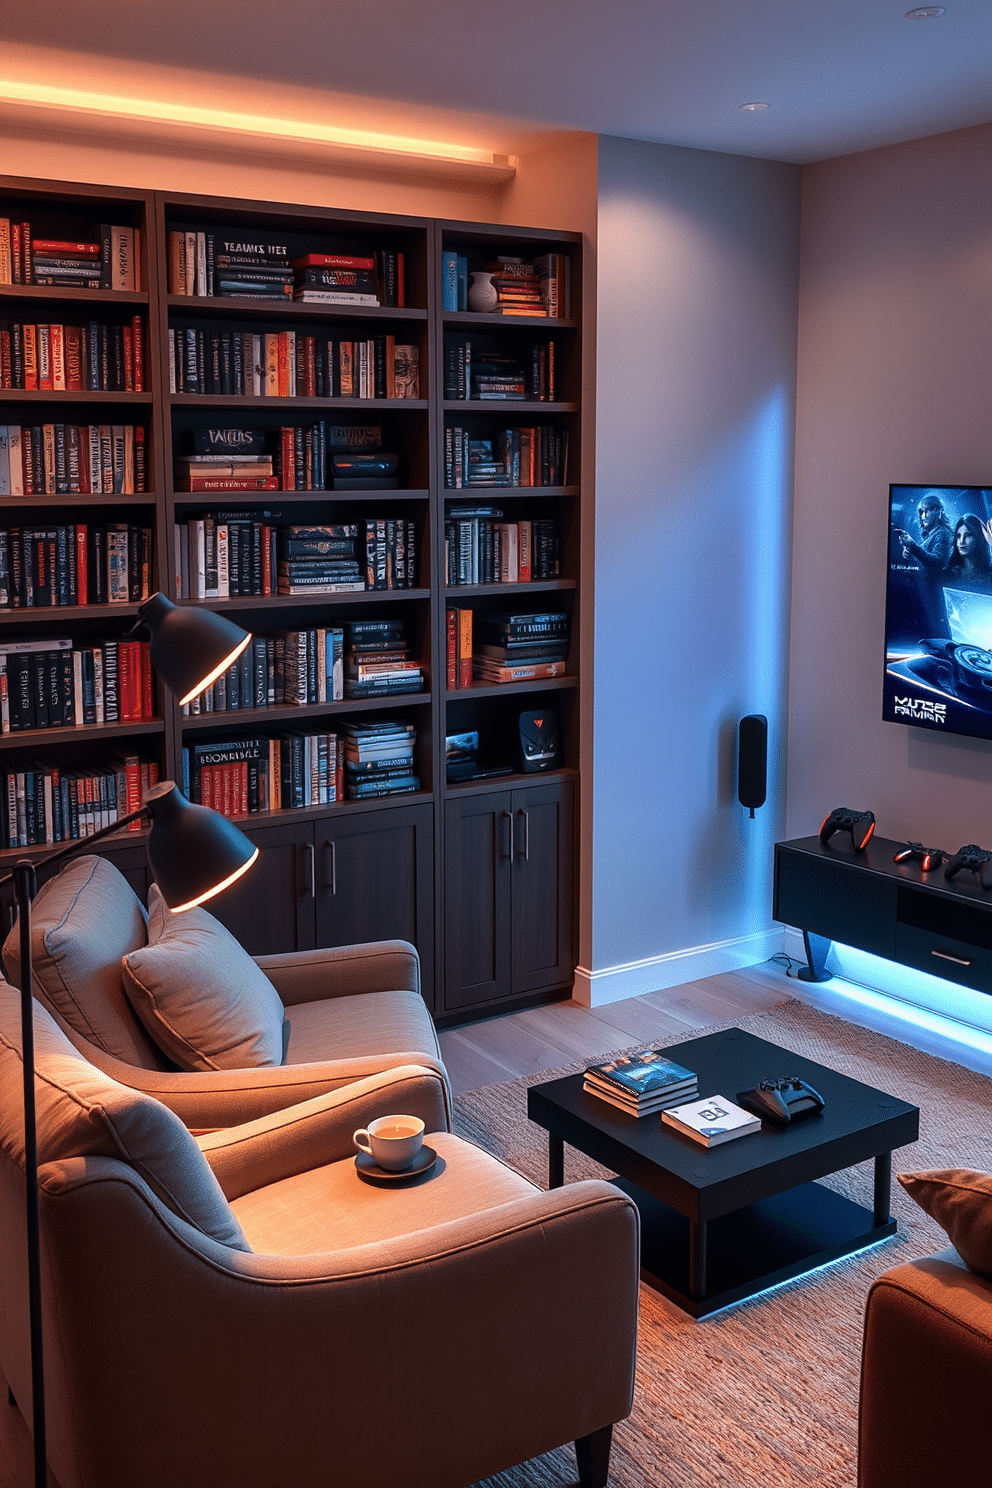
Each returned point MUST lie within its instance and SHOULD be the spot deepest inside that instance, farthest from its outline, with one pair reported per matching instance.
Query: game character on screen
(936, 538)
(971, 557)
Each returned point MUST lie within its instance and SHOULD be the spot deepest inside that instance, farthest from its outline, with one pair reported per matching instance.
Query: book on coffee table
(711, 1121)
(641, 1082)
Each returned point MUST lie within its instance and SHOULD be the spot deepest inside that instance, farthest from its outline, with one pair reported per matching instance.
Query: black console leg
(592, 1453)
(556, 1161)
(816, 957)
(883, 1183)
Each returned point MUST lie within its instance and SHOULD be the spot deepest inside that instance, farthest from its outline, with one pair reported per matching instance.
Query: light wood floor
(504, 1048)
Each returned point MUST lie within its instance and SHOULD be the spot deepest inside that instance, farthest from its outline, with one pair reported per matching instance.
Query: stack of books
(378, 759)
(252, 270)
(335, 279)
(225, 472)
(518, 286)
(377, 660)
(640, 1083)
(711, 1121)
(512, 647)
(319, 559)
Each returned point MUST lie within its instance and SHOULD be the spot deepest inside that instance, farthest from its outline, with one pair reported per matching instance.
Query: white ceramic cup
(392, 1142)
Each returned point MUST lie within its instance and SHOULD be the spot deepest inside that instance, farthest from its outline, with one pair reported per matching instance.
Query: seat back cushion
(81, 1112)
(82, 922)
(960, 1200)
(200, 995)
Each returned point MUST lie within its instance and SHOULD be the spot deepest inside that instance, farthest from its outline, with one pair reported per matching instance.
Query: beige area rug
(763, 1395)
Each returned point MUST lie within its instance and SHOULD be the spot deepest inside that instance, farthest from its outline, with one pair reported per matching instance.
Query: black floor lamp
(193, 852)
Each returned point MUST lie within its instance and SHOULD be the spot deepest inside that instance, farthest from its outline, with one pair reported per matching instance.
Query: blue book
(643, 1073)
(449, 280)
(462, 283)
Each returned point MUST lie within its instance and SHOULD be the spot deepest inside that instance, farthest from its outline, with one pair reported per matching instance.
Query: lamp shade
(193, 852)
(190, 646)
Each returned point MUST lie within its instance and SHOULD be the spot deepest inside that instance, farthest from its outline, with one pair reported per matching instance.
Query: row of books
(377, 660)
(293, 770)
(292, 457)
(379, 759)
(539, 288)
(230, 555)
(481, 548)
(57, 683)
(70, 459)
(500, 646)
(472, 371)
(286, 669)
(112, 261)
(91, 358)
(45, 804)
(74, 564)
(288, 364)
(210, 263)
(511, 457)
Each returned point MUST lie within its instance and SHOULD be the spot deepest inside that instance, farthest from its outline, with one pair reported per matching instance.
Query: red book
(310, 352)
(26, 247)
(43, 343)
(125, 681)
(147, 701)
(283, 365)
(30, 339)
(287, 463)
(6, 365)
(127, 337)
(73, 360)
(332, 261)
(266, 560)
(49, 246)
(451, 618)
(81, 589)
(464, 648)
(16, 254)
(138, 340)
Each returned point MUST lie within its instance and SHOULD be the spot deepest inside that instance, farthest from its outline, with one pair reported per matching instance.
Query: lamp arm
(83, 844)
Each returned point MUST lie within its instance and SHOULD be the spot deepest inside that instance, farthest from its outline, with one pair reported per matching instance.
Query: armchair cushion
(331, 1208)
(399, 1024)
(82, 922)
(960, 1200)
(199, 993)
(81, 1112)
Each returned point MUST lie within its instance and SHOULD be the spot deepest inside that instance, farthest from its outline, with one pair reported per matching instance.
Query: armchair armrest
(342, 971)
(926, 1368)
(319, 1131)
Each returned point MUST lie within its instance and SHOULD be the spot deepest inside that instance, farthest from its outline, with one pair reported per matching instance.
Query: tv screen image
(938, 609)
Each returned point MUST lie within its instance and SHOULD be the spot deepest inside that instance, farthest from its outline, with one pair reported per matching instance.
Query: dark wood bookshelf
(497, 405)
(328, 405)
(39, 395)
(80, 733)
(73, 294)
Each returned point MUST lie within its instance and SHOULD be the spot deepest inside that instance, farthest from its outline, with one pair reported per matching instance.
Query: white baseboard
(634, 978)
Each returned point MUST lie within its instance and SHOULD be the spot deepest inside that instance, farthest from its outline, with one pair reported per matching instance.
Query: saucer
(422, 1163)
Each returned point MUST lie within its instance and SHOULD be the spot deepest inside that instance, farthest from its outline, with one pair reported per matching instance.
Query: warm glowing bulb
(218, 888)
(218, 671)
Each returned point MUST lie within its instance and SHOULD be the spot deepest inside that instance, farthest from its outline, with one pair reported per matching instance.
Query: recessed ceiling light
(926, 12)
(753, 108)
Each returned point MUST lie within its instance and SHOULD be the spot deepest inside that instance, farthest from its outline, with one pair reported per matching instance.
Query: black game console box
(539, 744)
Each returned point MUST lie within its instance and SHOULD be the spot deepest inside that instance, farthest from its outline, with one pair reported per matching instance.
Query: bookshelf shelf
(419, 842)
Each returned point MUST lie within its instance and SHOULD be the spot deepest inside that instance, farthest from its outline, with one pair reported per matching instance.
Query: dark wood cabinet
(271, 908)
(508, 894)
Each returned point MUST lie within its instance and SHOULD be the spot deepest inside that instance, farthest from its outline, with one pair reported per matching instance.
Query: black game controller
(976, 860)
(784, 1100)
(929, 857)
(860, 824)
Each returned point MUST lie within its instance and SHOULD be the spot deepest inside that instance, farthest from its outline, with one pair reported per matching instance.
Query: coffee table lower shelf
(752, 1249)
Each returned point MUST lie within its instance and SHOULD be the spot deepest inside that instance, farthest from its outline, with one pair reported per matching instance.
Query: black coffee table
(722, 1223)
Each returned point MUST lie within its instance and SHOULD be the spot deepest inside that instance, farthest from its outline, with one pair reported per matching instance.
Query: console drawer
(942, 955)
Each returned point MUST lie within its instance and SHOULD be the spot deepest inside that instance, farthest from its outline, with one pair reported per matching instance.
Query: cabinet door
(271, 907)
(375, 880)
(542, 879)
(478, 847)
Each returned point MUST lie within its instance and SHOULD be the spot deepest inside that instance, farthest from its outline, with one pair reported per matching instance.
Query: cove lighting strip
(358, 145)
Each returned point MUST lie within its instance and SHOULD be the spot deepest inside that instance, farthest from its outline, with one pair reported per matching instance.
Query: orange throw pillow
(960, 1200)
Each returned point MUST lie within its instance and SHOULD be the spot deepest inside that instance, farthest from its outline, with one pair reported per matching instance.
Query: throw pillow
(81, 1112)
(960, 1200)
(200, 995)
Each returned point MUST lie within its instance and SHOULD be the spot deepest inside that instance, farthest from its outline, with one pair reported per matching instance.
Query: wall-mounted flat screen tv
(938, 611)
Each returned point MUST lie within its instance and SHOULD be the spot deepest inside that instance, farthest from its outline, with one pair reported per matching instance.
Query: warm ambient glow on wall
(360, 147)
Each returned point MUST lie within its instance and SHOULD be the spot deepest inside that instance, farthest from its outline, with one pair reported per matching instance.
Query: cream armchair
(350, 1011)
(242, 1310)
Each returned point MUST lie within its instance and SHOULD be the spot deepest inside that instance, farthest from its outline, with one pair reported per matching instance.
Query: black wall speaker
(752, 761)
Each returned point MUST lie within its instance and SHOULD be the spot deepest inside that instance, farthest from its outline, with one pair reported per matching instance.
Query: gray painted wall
(696, 339)
(893, 385)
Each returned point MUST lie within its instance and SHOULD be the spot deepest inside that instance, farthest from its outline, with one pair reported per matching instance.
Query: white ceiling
(838, 75)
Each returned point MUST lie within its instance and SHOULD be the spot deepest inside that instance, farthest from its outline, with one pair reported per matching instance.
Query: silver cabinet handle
(946, 956)
(311, 860)
(334, 866)
(507, 821)
(526, 817)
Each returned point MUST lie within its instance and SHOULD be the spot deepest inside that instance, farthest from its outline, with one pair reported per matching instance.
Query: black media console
(891, 909)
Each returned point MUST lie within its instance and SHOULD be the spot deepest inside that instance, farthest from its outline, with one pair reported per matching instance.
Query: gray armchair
(242, 1309)
(350, 1011)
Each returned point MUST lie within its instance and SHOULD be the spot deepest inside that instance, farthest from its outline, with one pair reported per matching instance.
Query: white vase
(482, 293)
